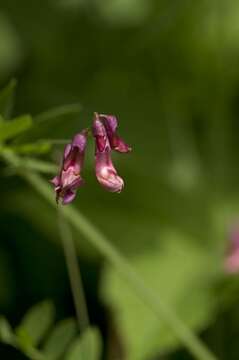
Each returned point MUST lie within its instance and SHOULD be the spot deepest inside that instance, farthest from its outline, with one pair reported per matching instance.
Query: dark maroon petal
(63, 192)
(110, 122)
(117, 143)
(74, 152)
(69, 178)
(79, 141)
(100, 134)
(68, 197)
(76, 183)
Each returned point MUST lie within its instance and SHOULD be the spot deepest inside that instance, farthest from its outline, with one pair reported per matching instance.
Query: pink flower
(104, 130)
(69, 178)
(106, 139)
(117, 143)
(232, 258)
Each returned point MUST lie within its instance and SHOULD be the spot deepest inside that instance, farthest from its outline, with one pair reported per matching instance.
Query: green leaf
(124, 12)
(6, 333)
(38, 148)
(36, 323)
(60, 339)
(40, 165)
(14, 127)
(86, 347)
(179, 270)
(29, 163)
(6, 98)
(54, 123)
(11, 50)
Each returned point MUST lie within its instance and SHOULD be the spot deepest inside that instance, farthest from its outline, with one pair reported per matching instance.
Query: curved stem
(73, 271)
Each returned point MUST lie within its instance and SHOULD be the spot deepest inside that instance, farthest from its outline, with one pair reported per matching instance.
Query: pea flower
(232, 259)
(116, 143)
(106, 139)
(69, 178)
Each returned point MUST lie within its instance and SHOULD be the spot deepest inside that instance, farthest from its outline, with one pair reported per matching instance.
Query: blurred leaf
(55, 113)
(10, 47)
(40, 165)
(37, 148)
(86, 347)
(177, 269)
(6, 98)
(71, 4)
(128, 12)
(36, 323)
(184, 173)
(53, 122)
(14, 127)
(6, 333)
(60, 338)
(29, 163)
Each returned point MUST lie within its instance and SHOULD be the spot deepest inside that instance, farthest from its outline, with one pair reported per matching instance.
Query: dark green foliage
(60, 342)
(169, 71)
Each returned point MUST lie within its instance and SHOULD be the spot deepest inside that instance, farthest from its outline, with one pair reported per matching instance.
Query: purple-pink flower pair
(104, 130)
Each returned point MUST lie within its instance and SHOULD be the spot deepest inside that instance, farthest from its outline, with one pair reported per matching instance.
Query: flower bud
(105, 171)
(69, 179)
(117, 143)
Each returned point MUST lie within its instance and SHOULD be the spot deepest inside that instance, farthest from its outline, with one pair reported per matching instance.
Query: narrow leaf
(57, 112)
(60, 339)
(36, 323)
(38, 148)
(40, 165)
(10, 129)
(29, 163)
(6, 332)
(86, 347)
(57, 122)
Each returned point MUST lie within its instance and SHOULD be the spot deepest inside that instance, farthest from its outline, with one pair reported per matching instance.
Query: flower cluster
(104, 130)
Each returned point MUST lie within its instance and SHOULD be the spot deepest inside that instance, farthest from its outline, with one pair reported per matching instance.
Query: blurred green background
(169, 70)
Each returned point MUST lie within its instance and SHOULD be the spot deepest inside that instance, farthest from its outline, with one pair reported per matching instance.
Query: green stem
(104, 246)
(27, 163)
(73, 271)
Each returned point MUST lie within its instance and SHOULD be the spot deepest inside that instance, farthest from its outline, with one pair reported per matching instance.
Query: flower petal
(79, 141)
(55, 181)
(69, 178)
(117, 143)
(106, 173)
(100, 134)
(232, 262)
(68, 197)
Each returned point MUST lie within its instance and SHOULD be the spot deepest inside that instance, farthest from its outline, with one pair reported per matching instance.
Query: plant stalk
(73, 271)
